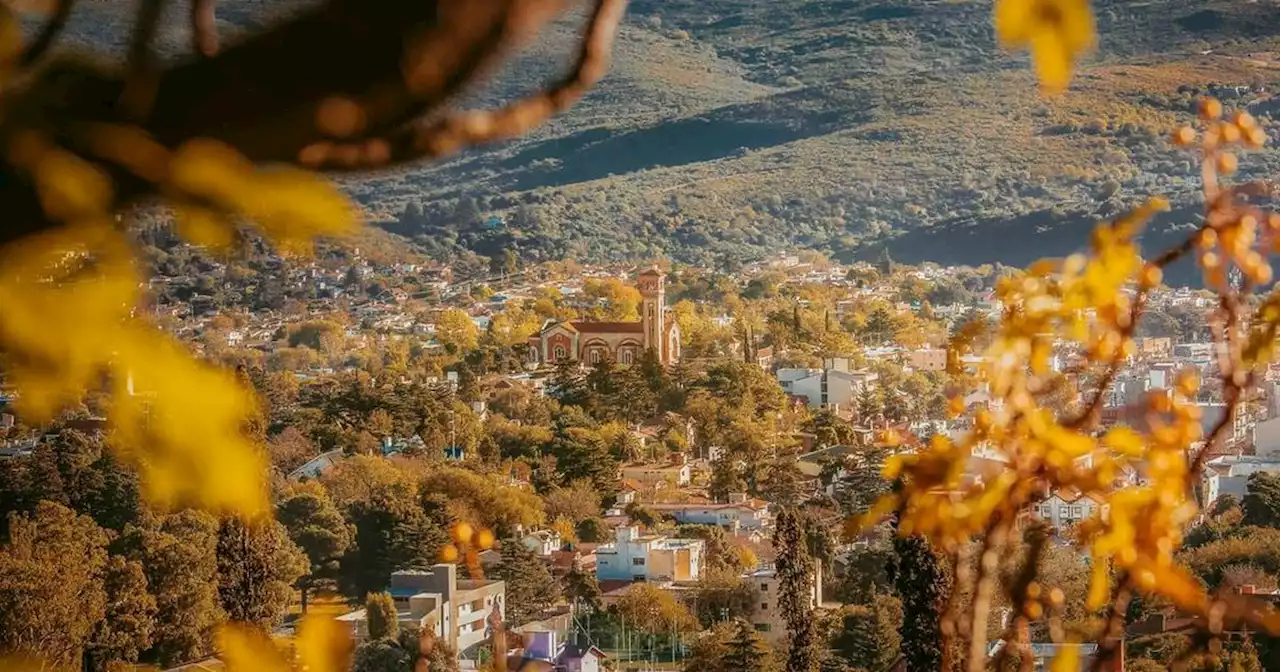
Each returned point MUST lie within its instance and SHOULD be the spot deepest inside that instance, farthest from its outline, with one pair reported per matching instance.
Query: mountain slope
(730, 128)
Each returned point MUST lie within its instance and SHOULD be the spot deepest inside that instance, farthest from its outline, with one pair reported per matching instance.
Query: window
(559, 352)
(627, 357)
(595, 356)
(637, 561)
(764, 587)
(1077, 511)
(764, 606)
(1062, 511)
(762, 627)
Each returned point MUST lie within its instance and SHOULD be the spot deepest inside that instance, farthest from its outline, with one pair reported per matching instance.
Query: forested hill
(730, 128)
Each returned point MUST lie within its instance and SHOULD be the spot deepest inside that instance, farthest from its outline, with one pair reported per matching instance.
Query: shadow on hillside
(1020, 241)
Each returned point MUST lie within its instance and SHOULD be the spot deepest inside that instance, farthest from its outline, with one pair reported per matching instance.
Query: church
(623, 342)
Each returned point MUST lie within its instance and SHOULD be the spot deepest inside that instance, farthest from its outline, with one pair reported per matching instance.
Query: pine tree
(530, 587)
(868, 635)
(923, 586)
(317, 527)
(794, 568)
(726, 478)
(745, 651)
(380, 616)
(257, 566)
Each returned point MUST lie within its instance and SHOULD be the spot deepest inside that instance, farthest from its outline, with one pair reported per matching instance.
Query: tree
(381, 655)
(582, 454)
(316, 526)
(720, 552)
(582, 587)
(456, 331)
(726, 477)
(866, 575)
(922, 586)
(381, 616)
(179, 555)
(746, 650)
(124, 633)
(1262, 500)
(783, 486)
(653, 611)
(721, 595)
(529, 585)
(257, 566)
(51, 584)
(795, 572)
(432, 653)
(391, 533)
(576, 502)
(483, 499)
(868, 636)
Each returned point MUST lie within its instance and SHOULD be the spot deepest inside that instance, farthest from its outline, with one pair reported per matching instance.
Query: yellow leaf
(324, 645)
(246, 649)
(1067, 660)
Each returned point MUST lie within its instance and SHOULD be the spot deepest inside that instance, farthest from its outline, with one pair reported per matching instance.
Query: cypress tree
(794, 568)
(922, 584)
(380, 615)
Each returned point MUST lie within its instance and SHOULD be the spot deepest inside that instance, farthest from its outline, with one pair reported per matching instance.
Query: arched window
(595, 356)
(627, 357)
(558, 353)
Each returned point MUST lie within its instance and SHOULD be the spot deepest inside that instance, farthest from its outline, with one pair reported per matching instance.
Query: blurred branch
(346, 71)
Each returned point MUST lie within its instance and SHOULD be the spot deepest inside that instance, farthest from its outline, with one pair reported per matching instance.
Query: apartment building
(648, 557)
(740, 513)
(456, 610)
(768, 618)
(833, 385)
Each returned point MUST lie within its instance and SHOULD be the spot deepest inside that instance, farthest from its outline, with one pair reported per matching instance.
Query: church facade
(622, 342)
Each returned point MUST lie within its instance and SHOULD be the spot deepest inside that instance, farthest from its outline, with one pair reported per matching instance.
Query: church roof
(608, 327)
(652, 270)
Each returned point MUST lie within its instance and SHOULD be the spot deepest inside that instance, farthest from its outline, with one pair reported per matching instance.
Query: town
(587, 467)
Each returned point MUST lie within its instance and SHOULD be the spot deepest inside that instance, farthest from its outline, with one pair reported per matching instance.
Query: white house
(741, 513)
(648, 557)
(1063, 509)
(677, 472)
(543, 542)
(1229, 474)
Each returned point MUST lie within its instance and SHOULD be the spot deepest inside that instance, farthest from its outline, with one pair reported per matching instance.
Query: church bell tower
(652, 286)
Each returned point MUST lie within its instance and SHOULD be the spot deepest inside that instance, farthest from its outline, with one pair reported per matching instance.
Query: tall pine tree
(745, 651)
(922, 584)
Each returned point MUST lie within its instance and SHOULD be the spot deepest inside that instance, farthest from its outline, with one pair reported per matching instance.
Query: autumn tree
(124, 633)
(456, 331)
(529, 584)
(723, 594)
(257, 566)
(52, 595)
(317, 527)
(653, 611)
(179, 556)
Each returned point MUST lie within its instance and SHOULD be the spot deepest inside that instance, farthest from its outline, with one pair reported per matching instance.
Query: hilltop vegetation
(731, 128)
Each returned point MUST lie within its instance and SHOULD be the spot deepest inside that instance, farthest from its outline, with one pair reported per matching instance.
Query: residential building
(648, 557)
(622, 342)
(834, 385)
(456, 610)
(1229, 474)
(543, 542)
(1062, 509)
(928, 359)
(741, 513)
(677, 472)
(769, 619)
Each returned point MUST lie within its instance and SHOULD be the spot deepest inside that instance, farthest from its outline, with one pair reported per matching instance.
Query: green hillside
(730, 128)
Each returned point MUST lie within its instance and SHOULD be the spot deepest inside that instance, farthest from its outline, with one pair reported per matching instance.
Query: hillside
(730, 128)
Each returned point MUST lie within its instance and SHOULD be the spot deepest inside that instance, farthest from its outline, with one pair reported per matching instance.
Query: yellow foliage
(1056, 32)
(71, 294)
(322, 646)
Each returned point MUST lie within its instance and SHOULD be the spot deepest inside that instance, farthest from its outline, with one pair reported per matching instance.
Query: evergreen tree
(316, 526)
(795, 571)
(51, 590)
(746, 650)
(567, 384)
(582, 587)
(124, 633)
(381, 655)
(380, 616)
(783, 486)
(257, 567)
(870, 405)
(922, 585)
(1262, 500)
(582, 454)
(529, 585)
(726, 478)
(180, 558)
(868, 636)
(392, 532)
